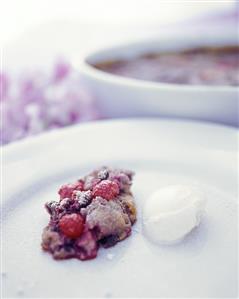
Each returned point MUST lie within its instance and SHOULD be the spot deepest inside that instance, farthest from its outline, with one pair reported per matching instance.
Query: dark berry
(103, 174)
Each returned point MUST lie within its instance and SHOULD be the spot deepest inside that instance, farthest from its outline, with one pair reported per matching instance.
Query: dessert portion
(97, 210)
(198, 66)
(173, 212)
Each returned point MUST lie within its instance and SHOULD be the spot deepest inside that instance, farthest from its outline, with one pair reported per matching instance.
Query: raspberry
(72, 225)
(66, 190)
(106, 189)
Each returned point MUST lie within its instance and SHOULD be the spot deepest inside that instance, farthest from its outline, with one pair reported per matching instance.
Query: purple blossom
(39, 101)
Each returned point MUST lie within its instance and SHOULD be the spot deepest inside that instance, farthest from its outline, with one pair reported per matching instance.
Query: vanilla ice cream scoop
(172, 212)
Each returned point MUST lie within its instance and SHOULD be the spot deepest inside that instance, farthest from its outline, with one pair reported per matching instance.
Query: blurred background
(40, 90)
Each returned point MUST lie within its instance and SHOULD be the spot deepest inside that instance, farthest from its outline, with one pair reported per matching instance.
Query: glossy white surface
(161, 153)
(122, 97)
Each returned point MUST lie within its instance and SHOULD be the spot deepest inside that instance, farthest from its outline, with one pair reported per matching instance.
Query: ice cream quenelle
(172, 212)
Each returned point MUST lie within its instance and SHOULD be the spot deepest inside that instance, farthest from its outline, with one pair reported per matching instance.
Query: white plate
(161, 153)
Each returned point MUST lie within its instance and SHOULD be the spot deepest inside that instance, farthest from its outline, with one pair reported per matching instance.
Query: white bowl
(123, 97)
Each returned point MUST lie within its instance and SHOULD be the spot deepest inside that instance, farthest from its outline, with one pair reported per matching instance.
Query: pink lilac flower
(40, 101)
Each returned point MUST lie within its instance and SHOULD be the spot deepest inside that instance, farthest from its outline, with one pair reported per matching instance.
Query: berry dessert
(97, 210)
(196, 66)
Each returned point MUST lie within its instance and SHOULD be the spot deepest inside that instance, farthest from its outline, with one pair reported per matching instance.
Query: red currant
(72, 225)
(106, 189)
(66, 190)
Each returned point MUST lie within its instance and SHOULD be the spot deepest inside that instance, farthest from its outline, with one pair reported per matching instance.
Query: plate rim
(35, 138)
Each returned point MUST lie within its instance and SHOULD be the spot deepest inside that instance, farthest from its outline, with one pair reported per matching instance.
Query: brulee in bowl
(175, 76)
